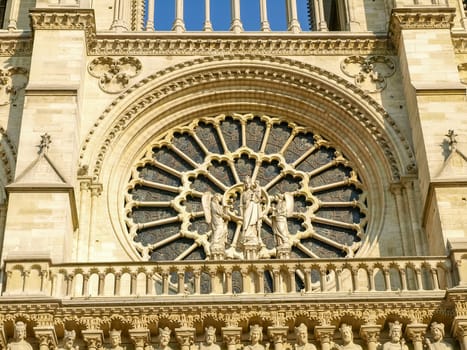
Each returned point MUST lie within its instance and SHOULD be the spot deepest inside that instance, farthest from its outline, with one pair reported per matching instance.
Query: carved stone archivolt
(114, 74)
(369, 73)
(270, 75)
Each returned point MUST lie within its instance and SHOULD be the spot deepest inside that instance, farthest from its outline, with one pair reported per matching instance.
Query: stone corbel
(114, 74)
(94, 338)
(370, 333)
(278, 336)
(11, 81)
(140, 337)
(416, 333)
(46, 336)
(185, 337)
(231, 336)
(324, 334)
(369, 73)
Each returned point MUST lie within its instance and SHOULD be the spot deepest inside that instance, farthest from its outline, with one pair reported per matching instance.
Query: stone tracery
(252, 164)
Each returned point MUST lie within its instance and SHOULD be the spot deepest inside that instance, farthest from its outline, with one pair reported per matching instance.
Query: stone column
(185, 337)
(13, 15)
(416, 333)
(324, 334)
(265, 27)
(370, 333)
(236, 25)
(150, 20)
(292, 18)
(140, 337)
(207, 16)
(94, 338)
(460, 332)
(179, 24)
(119, 23)
(231, 336)
(278, 336)
(46, 336)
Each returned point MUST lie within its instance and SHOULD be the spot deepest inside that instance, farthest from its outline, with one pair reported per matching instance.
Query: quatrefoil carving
(369, 73)
(114, 74)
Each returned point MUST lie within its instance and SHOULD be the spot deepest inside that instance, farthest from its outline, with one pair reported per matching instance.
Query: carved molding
(15, 46)
(56, 18)
(299, 81)
(114, 74)
(460, 43)
(419, 18)
(7, 155)
(369, 73)
(215, 44)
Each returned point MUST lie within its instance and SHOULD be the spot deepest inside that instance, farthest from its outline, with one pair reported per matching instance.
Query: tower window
(2, 12)
(334, 15)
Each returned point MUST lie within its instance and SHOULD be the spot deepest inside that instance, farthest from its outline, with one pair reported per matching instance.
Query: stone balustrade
(232, 277)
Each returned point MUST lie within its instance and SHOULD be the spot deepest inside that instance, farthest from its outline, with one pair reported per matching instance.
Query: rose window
(244, 187)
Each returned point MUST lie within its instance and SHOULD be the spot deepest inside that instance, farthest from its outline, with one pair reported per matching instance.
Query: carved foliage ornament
(11, 81)
(369, 73)
(114, 74)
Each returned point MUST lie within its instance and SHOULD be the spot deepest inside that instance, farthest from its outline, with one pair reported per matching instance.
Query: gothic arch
(302, 93)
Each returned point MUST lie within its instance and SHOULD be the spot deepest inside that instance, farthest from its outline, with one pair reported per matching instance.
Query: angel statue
(217, 217)
(282, 208)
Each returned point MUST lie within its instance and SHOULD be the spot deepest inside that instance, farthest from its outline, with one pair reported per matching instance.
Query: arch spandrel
(303, 94)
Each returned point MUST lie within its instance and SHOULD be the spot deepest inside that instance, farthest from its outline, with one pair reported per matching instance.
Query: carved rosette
(114, 74)
(369, 73)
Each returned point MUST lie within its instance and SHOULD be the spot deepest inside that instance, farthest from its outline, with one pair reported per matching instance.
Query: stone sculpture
(437, 335)
(256, 336)
(347, 339)
(19, 342)
(116, 340)
(396, 342)
(301, 335)
(164, 339)
(209, 340)
(69, 340)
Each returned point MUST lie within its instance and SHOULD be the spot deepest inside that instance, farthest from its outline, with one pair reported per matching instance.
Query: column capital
(46, 336)
(324, 333)
(416, 331)
(278, 334)
(94, 338)
(370, 332)
(185, 337)
(231, 335)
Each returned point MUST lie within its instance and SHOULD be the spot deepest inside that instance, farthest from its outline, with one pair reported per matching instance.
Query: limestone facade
(192, 189)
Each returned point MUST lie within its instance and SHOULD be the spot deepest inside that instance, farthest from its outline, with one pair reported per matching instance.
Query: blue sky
(220, 14)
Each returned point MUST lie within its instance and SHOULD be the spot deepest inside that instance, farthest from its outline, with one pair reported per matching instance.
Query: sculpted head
(346, 333)
(115, 337)
(256, 333)
(395, 331)
(164, 336)
(437, 330)
(69, 339)
(301, 334)
(210, 335)
(20, 330)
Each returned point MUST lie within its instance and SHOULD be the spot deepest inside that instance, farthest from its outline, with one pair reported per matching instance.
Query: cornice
(62, 18)
(419, 18)
(190, 44)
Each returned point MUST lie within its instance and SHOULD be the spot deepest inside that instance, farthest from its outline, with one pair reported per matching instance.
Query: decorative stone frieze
(114, 74)
(369, 73)
(15, 46)
(62, 18)
(11, 81)
(7, 155)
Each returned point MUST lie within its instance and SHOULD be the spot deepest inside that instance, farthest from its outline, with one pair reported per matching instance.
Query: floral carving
(370, 73)
(11, 81)
(114, 74)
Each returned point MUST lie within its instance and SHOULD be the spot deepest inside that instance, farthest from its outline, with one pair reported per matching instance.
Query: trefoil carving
(369, 73)
(114, 74)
